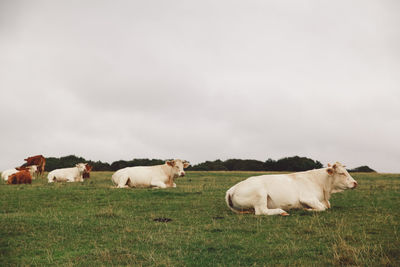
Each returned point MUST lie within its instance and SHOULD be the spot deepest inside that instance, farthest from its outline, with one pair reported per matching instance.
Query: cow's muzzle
(354, 185)
(182, 174)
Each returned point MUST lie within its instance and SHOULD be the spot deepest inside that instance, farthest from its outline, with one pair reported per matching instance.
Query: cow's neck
(168, 171)
(328, 186)
(325, 180)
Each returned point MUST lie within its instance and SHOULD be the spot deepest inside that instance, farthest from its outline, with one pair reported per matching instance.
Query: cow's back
(64, 174)
(281, 190)
(20, 177)
(140, 175)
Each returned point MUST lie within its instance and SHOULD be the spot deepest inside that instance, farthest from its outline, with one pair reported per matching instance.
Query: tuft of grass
(92, 223)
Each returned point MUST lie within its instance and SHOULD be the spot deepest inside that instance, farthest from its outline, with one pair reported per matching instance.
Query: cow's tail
(228, 199)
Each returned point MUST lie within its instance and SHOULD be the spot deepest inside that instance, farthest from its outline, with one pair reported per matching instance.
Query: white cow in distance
(273, 194)
(74, 174)
(7, 173)
(159, 176)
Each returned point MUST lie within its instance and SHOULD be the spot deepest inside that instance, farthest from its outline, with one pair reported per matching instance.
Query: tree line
(295, 163)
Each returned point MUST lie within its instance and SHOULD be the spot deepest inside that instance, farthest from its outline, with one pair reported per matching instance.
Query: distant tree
(362, 169)
(297, 163)
(63, 162)
(244, 165)
(120, 164)
(99, 166)
(216, 165)
(286, 164)
(145, 162)
(270, 165)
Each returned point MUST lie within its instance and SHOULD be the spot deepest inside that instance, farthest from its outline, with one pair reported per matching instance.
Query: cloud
(201, 81)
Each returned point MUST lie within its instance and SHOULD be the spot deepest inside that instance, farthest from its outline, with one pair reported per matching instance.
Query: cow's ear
(334, 166)
(186, 164)
(171, 163)
(329, 171)
(329, 165)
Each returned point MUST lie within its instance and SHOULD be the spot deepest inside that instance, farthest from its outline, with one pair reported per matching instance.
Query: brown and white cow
(86, 172)
(7, 173)
(38, 160)
(159, 176)
(20, 177)
(273, 194)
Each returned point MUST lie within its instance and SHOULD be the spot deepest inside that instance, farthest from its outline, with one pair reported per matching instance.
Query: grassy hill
(92, 223)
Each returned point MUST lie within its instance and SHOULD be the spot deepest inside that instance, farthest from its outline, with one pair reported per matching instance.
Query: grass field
(93, 224)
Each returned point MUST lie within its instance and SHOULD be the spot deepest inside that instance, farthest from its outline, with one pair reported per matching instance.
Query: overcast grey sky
(201, 80)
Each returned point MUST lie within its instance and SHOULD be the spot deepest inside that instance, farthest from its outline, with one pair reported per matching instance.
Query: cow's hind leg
(158, 184)
(261, 208)
(313, 204)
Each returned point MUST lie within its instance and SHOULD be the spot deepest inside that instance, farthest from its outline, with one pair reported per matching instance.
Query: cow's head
(81, 167)
(177, 166)
(86, 172)
(32, 169)
(341, 179)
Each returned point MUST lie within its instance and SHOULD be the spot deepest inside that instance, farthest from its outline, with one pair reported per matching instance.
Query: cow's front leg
(174, 185)
(261, 207)
(158, 184)
(313, 204)
(327, 204)
(122, 182)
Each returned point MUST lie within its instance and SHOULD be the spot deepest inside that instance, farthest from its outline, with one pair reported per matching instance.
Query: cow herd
(34, 166)
(260, 195)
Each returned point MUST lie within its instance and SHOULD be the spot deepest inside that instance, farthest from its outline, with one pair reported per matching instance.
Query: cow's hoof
(284, 214)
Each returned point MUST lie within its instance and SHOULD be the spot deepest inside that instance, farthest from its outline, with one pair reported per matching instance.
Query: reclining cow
(273, 194)
(74, 174)
(159, 176)
(21, 177)
(7, 173)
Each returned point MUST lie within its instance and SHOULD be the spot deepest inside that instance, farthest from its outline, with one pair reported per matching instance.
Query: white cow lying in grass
(159, 176)
(7, 173)
(74, 174)
(272, 194)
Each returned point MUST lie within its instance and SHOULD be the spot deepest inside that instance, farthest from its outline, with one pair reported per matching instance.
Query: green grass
(91, 223)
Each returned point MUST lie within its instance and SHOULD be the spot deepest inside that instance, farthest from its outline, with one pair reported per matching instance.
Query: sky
(201, 80)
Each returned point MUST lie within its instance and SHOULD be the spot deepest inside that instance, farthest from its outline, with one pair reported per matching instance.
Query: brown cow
(21, 177)
(86, 171)
(31, 169)
(38, 160)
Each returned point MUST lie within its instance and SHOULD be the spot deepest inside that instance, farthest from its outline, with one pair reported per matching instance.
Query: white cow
(74, 174)
(272, 194)
(5, 174)
(159, 176)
